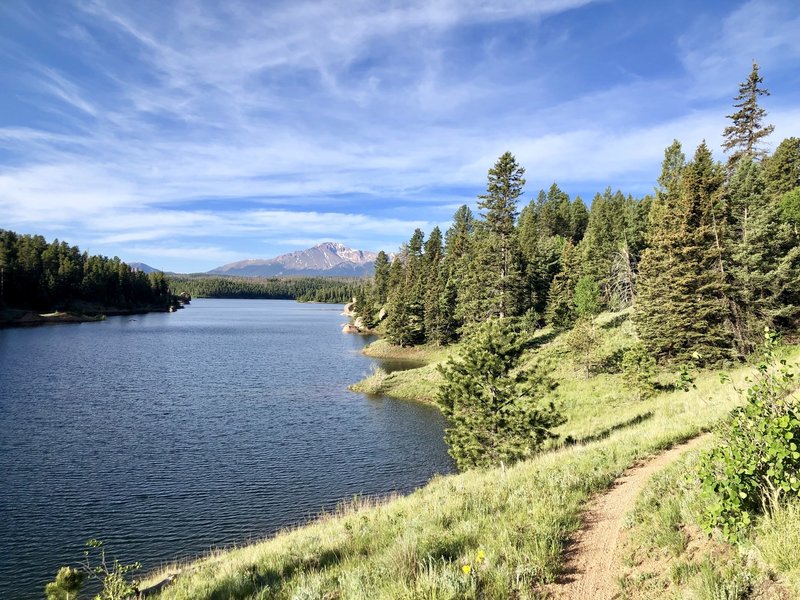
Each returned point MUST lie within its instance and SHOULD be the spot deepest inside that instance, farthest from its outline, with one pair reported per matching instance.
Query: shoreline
(419, 383)
(12, 317)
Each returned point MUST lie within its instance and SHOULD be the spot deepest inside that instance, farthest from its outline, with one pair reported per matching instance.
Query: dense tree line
(311, 289)
(707, 261)
(38, 275)
(505, 263)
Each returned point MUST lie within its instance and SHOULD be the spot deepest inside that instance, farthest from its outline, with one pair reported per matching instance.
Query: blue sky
(189, 134)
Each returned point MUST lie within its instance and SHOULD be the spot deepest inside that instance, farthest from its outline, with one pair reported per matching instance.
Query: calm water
(168, 434)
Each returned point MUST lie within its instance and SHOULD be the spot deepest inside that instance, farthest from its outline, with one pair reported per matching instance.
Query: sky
(190, 134)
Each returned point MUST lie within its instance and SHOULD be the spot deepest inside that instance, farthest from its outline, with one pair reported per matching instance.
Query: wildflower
(481, 556)
(466, 569)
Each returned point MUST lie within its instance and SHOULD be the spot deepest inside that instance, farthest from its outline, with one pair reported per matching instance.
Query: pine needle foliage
(682, 307)
(743, 137)
(498, 412)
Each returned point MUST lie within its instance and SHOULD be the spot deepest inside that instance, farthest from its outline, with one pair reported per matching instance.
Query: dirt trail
(592, 558)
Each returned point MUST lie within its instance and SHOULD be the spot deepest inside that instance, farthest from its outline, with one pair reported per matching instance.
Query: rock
(350, 328)
(382, 314)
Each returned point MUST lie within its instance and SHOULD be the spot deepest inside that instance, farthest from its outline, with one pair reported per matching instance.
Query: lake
(166, 435)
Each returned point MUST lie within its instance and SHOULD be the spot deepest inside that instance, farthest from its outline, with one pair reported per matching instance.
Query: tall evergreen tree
(561, 312)
(782, 169)
(382, 277)
(745, 134)
(405, 306)
(555, 213)
(605, 233)
(764, 257)
(439, 302)
(682, 303)
(578, 220)
(459, 243)
(496, 289)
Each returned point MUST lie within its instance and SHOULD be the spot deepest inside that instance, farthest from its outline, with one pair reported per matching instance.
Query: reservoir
(167, 435)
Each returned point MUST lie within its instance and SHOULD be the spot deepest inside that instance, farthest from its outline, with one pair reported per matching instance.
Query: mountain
(328, 259)
(140, 266)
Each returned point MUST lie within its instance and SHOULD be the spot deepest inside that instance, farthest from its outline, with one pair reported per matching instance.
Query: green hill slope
(484, 534)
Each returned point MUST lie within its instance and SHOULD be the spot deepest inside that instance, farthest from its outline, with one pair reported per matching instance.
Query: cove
(166, 435)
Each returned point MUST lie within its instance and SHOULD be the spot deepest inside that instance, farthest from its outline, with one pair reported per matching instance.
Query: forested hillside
(302, 289)
(707, 260)
(37, 275)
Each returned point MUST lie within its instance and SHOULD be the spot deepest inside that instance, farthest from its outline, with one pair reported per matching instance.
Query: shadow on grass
(616, 321)
(537, 342)
(603, 434)
(256, 578)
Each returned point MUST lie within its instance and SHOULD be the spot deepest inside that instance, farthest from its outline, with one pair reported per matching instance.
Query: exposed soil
(593, 555)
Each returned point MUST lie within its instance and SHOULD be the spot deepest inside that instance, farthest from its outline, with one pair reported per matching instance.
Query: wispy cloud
(246, 128)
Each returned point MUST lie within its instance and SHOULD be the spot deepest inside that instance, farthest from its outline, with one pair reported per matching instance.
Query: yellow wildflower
(481, 556)
(466, 569)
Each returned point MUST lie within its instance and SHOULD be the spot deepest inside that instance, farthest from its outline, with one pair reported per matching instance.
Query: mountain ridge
(326, 258)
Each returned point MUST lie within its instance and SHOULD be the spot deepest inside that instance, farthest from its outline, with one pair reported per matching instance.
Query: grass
(665, 542)
(495, 533)
(424, 354)
(420, 383)
(414, 384)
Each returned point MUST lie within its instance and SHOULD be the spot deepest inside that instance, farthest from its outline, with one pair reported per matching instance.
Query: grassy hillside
(483, 534)
(667, 556)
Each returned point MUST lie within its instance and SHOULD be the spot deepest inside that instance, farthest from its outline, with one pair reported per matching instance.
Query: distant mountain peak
(327, 258)
(140, 266)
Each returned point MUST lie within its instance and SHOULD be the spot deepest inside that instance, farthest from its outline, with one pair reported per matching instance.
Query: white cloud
(328, 113)
(718, 55)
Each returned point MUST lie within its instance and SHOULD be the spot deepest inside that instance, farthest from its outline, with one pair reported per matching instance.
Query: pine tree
(439, 301)
(498, 413)
(382, 277)
(441, 326)
(561, 299)
(405, 324)
(782, 169)
(764, 257)
(587, 297)
(498, 250)
(434, 251)
(542, 247)
(578, 220)
(682, 305)
(639, 371)
(555, 213)
(459, 242)
(583, 341)
(413, 291)
(605, 233)
(747, 131)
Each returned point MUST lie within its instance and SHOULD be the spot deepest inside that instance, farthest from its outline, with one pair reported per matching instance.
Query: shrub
(66, 585)
(638, 371)
(498, 412)
(113, 578)
(757, 462)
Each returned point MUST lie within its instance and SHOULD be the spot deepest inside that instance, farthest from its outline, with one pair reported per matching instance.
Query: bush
(757, 462)
(498, 412)
(584, 341)
(66, 585)
(113, 578)
(638, 372)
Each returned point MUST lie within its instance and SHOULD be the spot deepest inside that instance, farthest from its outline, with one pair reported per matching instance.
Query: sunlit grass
(495, 533)
(417, 546)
